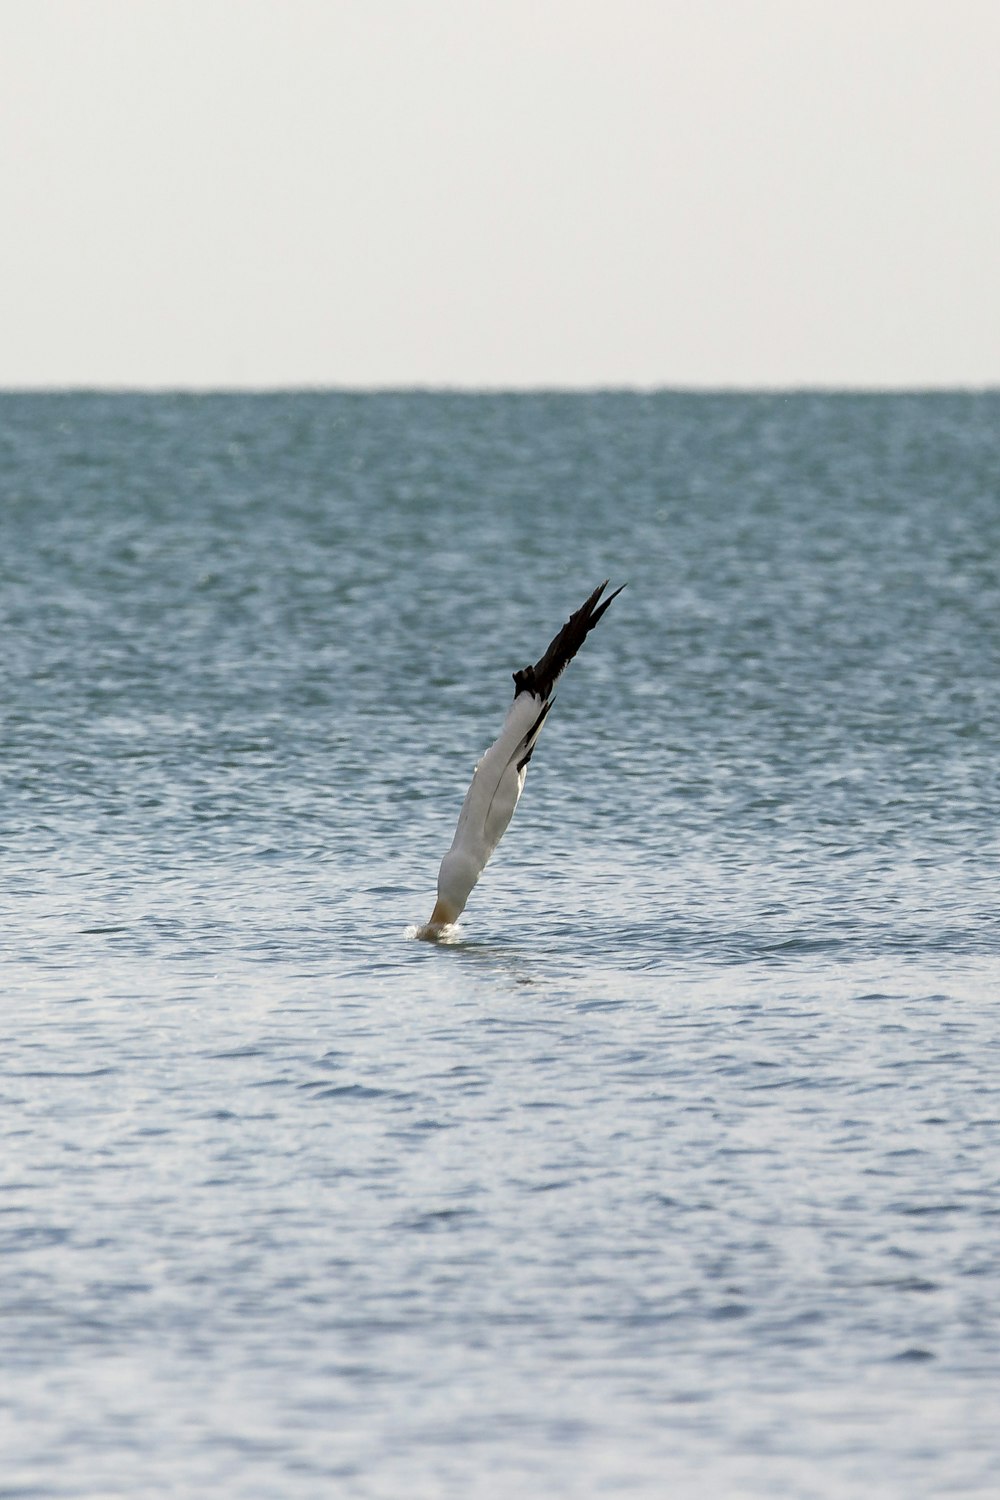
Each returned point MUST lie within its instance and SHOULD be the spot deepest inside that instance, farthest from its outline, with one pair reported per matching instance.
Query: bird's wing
(505, 764)
(499, 777)
(540, 678)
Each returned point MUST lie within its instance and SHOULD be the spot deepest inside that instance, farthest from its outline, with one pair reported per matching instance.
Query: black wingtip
(564, 646)
(609, 600)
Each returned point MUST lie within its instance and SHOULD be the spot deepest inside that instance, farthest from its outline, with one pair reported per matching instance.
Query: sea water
(678, 1171)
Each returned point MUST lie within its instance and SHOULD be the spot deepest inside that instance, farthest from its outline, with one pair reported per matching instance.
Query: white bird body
(497, 784)
(499, 777)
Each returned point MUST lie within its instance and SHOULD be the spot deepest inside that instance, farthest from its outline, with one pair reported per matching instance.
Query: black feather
(541, 677)
(530, 739)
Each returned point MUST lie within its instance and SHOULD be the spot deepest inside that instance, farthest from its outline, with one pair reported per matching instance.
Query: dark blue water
(678, 1172)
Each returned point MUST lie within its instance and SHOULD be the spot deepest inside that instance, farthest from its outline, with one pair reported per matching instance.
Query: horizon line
(447, 388)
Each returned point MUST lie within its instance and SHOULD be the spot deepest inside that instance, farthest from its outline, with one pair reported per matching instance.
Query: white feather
(489, 803)
(499, 777)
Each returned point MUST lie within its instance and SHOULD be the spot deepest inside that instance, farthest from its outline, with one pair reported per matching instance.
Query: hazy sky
(499, 192)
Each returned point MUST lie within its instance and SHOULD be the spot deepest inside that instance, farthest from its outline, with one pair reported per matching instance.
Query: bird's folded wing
(496, 785)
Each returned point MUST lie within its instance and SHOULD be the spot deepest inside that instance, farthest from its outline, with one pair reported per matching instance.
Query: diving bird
(499, 777)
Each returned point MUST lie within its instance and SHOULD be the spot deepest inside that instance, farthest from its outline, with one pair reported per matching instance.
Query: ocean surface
(676, 1173)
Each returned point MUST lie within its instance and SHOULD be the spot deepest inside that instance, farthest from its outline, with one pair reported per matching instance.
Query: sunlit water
(676, 1171)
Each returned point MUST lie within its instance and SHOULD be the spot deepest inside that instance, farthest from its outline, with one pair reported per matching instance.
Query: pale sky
(499, 192)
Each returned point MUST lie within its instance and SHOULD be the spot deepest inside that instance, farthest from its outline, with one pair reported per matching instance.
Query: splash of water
(432, 932)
